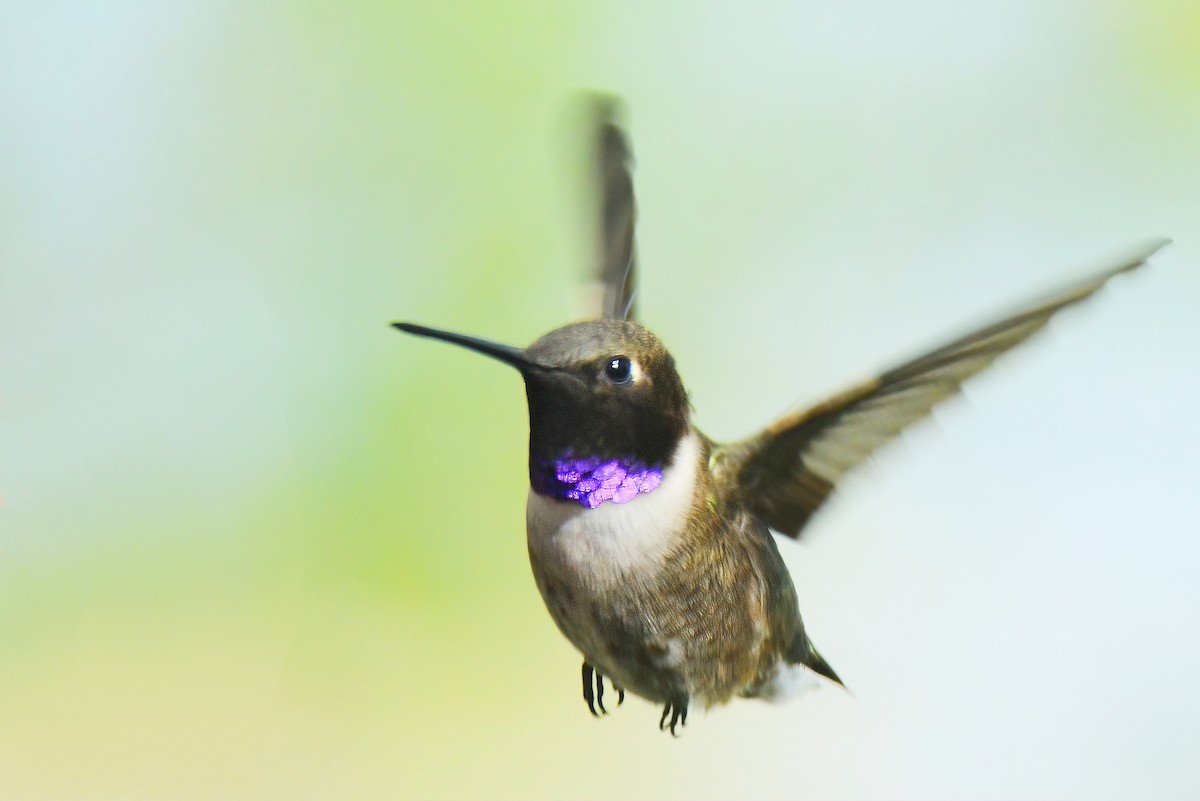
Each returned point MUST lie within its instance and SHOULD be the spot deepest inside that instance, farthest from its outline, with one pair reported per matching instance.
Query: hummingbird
(651, 544)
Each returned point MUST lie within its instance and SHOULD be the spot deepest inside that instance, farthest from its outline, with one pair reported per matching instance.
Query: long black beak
(505, 353)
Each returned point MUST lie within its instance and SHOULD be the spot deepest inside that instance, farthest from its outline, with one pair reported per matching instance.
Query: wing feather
(789, 469)
(616, 267)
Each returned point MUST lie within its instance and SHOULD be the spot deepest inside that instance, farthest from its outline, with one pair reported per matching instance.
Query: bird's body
(650, 543)
(678, 595)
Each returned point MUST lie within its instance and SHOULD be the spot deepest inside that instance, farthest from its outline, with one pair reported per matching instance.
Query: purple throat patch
(590, 480)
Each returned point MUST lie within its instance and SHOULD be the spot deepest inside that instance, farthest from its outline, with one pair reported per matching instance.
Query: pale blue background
(255, 544)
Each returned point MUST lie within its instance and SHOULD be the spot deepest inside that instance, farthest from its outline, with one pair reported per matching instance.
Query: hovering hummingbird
(650, 543)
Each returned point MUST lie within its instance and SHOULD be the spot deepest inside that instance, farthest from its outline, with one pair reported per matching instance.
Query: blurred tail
(793, 675)
(805, 654)
(817, 663)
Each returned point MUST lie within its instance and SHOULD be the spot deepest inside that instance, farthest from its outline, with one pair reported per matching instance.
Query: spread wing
(789, 469)
(616, 257)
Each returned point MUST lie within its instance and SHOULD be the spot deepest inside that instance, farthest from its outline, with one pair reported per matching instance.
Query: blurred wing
(616, 263)
(788, 470)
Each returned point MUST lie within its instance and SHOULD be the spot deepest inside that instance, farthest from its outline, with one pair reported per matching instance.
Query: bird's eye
(619, 369)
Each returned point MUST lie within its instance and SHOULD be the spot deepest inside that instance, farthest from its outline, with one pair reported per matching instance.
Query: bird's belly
(594, 568)
(652, 616)
(597, 551)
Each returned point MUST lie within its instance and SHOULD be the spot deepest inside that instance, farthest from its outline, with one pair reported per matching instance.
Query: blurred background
(256, 544)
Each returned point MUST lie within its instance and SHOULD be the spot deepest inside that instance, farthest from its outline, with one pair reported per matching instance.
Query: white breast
(593, 548)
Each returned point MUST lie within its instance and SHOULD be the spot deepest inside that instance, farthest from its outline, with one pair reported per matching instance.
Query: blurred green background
(256, 544)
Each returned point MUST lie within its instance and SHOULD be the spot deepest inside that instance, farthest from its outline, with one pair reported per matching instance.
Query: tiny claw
(677, 710)
(620, 695)
(600, 692)
(587, 690)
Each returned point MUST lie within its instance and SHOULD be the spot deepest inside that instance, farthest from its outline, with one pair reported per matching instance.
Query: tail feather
(793, 675)
(815, 662)
(804, 653)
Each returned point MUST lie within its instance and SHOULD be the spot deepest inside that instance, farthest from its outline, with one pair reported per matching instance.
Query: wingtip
(1140, 252)
(608, 107)
(1125, 259)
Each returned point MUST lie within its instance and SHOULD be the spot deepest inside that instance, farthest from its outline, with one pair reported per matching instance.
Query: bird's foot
(593, 690)
(677, 711)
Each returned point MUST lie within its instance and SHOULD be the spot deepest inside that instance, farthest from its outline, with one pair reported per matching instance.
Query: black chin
(566, 418)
